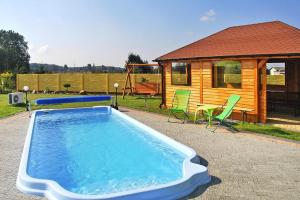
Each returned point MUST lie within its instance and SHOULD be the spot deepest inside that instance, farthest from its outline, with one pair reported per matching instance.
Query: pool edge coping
(51, 189)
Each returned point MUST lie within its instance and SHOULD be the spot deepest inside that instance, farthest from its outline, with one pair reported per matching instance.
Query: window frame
(213, 75)
(188, 66)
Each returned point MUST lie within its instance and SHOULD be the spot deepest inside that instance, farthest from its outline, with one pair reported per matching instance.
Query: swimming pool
(101, 153)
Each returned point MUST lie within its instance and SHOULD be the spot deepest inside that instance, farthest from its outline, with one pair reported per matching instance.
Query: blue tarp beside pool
(74, 99)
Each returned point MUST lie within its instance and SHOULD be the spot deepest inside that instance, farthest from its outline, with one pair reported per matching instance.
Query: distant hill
(42, 68)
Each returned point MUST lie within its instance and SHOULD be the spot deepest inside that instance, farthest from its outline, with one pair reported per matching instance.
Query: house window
(227, 74)
(181, 73)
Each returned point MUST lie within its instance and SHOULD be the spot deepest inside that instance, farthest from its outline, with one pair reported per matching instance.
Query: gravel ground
(242, 165)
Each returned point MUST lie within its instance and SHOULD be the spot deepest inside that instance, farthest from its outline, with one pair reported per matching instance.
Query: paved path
(243, 166)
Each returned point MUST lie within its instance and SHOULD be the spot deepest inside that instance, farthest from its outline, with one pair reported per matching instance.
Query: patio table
(212, 107)
(209, 109)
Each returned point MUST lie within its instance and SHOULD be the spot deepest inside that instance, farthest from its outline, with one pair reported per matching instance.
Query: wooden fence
(102, 83)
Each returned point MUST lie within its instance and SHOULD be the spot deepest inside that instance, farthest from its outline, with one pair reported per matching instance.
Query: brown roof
(269, 38)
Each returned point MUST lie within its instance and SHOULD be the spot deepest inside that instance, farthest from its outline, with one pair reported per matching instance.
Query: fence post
(82, 81)
(133, 80)
(107, 83)
(17, 82)
(37, 83)
(58, 82)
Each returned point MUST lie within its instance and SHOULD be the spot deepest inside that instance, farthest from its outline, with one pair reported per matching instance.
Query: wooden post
(134, 80)
(262, 63)
(261, 81)
(128, 79)
(58, 82)
(107, 83)
(130, 84)
(82, 81)
(37, 82)
(129, 69)
(256, 83)
(17, 83)
(163, 86)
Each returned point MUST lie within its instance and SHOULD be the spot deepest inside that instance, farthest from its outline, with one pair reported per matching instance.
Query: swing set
(144, 88)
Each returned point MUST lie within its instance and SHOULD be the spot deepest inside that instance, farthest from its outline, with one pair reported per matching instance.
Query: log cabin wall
(203, 91)
(195, 85)
(248, 92)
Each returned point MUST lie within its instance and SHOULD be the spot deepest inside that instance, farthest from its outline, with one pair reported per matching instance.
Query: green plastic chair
(180, 104)
(229, 106)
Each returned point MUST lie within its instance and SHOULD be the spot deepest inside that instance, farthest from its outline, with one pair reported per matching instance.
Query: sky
(78, 32)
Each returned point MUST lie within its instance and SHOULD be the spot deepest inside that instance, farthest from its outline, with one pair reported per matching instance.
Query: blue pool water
(89, 151)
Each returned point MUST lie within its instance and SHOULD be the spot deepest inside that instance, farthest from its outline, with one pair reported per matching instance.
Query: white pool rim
(194, 174)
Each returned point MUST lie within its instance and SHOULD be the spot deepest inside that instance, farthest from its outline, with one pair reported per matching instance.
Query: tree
(67, 85)
(6, 81)
(14, 56)
(89, 67)
(136, 59)
(41, 70)
(66, 68)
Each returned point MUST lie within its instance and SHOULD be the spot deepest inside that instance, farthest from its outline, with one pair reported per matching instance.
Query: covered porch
(283, 88)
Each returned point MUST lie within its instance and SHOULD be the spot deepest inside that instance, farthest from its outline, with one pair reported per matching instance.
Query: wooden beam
(128, 79)
(163, 87)
(129, 68)
(141, 65)
(230, 58)
(261, 63)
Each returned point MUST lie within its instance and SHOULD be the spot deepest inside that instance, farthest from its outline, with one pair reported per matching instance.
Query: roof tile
(268, 38)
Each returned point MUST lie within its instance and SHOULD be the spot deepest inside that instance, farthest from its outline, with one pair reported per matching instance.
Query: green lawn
(5, 109)
(269, 130)
(137, 102)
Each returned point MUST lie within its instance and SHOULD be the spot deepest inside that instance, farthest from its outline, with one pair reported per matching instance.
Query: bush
(67, 85)
(7, 82)
(144, 80)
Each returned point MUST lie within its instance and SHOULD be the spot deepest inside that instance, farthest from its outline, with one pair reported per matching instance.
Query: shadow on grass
(279, 131)
(148, 98)
(20, 105)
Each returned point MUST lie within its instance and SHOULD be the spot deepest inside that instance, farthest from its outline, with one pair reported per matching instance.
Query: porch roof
(262, 39)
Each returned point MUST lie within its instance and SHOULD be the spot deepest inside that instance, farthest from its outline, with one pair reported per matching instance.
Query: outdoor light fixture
(26, 89)
(116, 85)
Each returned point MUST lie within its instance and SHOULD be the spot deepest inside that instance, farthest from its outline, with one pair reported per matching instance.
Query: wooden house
(233, 61)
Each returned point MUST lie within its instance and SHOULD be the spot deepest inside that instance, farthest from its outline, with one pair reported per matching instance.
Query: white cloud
(208, 16)
(43, 49)
(33, 50)
(30, 48)
(38, 53)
